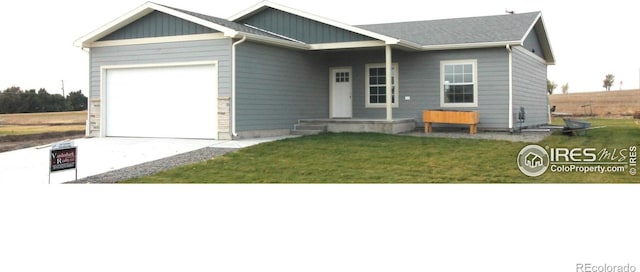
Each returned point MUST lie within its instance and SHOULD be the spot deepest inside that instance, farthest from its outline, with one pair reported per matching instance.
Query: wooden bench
(470, 118)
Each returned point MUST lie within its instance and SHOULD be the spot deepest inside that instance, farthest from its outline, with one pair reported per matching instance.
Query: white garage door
(162, 102)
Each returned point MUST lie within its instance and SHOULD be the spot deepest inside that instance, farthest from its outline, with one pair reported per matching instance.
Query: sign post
(64, 156)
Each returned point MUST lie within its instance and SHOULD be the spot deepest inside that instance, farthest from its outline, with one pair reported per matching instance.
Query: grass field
(381, 158)
(36, 123)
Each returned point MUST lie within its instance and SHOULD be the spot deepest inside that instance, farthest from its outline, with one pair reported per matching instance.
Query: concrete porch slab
(394, 126)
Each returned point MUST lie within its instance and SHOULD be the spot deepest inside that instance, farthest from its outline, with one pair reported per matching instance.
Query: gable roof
(138, 13)
(267, 4)
(502, 28)
(471, 32)
(444, 34)
(458, 33)
(229, 24)
(152, 26)
(228, 28)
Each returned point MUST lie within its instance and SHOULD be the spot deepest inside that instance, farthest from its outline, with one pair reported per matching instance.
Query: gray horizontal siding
(300, 28)
(276, 87)
(419, 78)
(157, 24)
(206, 50)
(529, 87)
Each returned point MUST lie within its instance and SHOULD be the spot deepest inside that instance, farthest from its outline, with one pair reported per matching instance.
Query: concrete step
(312, 122)
(307, 132)
(310, 127)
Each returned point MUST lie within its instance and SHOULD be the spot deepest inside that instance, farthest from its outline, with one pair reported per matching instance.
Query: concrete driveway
(30, 166)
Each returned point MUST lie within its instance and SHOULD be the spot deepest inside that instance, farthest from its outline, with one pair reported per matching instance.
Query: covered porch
(333, 90)
(347, 90)
(363, 83)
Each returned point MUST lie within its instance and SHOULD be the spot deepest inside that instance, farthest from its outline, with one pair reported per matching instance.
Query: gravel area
(152, 167)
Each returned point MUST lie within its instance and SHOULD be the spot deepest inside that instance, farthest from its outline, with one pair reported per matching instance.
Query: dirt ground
(13, 142)
(603, 104)
(45, 118)
(49, 128)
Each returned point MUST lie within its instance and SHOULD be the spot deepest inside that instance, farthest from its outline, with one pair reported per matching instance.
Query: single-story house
(160, 71)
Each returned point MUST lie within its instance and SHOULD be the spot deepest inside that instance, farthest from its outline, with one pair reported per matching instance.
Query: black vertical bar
(49, 166)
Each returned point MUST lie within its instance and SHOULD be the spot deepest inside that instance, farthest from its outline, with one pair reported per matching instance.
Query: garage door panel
(171, 102)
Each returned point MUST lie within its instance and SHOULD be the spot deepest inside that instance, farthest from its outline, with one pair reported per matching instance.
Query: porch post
(388, 80)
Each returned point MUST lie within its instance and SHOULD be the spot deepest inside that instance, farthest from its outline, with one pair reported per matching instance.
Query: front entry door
(340, 93)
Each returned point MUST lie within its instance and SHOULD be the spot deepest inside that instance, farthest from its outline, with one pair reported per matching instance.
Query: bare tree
(551, 86)
(565, 88)
(608, 82)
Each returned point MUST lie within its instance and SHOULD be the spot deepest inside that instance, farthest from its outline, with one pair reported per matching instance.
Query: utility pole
(63, 88)
(621, 82)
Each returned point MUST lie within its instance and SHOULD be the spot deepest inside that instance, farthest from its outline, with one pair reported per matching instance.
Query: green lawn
(381, 158)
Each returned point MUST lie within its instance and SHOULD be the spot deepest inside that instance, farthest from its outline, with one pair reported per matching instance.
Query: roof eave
(409, 45)
(543, 38)
(249, 11)
(227, 31)
(141, 11)
(121, 21)
(469, 45)
(273, 41)
(267, 4)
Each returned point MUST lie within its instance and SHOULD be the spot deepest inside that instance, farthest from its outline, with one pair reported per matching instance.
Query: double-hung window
(459, 83)
(376, 85)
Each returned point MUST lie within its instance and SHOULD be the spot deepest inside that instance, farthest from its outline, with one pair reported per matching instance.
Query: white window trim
(367, 85)
(474, 63)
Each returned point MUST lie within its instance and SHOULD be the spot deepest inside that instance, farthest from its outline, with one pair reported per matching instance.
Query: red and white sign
(63, 156)
(63, 159)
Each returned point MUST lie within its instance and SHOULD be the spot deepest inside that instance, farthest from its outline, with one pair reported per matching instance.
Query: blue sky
(589, 39)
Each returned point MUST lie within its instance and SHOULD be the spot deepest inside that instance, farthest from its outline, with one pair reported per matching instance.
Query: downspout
(510, 88)
(233, 85)
(87, 128)
(388, 66)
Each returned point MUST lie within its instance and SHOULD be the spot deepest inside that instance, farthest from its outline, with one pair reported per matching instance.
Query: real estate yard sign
(63, 156)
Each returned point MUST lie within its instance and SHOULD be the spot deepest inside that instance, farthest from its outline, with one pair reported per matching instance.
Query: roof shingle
(500, 28)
